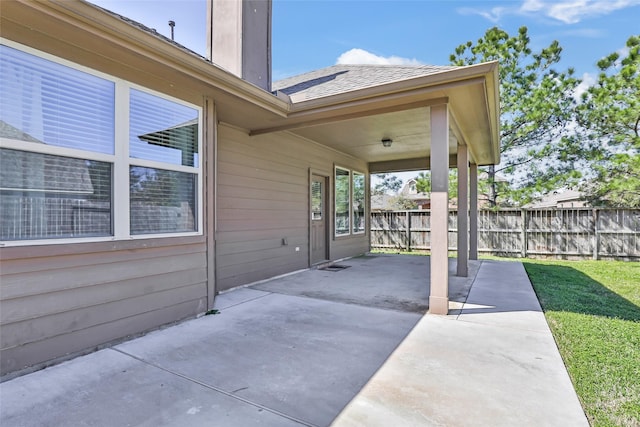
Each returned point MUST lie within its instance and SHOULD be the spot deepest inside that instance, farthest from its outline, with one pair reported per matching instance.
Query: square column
(473, 211)
(439, 294)
(463, 211)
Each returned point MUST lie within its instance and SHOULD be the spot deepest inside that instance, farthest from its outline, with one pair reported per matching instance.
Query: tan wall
(263, 197)
(64, 299)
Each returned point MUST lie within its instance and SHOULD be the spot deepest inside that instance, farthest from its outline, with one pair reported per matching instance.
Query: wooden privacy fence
(561, 233)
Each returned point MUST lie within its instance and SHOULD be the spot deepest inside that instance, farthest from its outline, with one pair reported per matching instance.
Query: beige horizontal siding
(88, 339)
(63, 304)
(37, 282)
(350, 246)
(49, 303)
(83, 257)
(263, 198)
(65, 322)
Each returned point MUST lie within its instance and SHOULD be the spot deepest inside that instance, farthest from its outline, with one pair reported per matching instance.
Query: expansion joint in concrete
(216, 389)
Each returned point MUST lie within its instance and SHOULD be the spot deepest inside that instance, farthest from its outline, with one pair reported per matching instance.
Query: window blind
(44, 196)
(162, 130)
(46, 102)
(162, 201)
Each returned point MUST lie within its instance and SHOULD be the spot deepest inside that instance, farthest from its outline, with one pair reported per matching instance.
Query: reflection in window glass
(316, 201)
(59, 197)
(342, 190)
(48, 103)
(162, 201)
(359, 219)
(162, 130)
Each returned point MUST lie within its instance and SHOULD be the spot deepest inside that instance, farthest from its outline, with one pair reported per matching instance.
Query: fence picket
(560, 233)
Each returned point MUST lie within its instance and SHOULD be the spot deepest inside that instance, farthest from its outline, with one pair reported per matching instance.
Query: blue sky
(312, 34)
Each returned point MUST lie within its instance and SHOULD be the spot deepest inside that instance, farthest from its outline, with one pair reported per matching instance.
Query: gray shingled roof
(346, 78)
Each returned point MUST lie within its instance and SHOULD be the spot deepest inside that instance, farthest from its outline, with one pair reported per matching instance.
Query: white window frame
(335, 202)
(364, 201)
(120, 160)
(351, 173)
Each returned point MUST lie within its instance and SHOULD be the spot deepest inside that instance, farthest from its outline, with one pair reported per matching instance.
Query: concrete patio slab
(509, 300)
(299, 356)
(318, 348)
(495, 364)
(108, 388)
(396, 282)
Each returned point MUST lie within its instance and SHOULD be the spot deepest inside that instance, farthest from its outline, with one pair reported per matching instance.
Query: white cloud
(493, 15)
(573, 11)
(567, 11)
(532, 6)
(361, 56)
(588, 80)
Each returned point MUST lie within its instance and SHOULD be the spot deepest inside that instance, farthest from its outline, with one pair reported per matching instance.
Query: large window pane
(162, 201)
(45, 197)
(359, 220)
(342, 190)
(162, 130)
(45, 102)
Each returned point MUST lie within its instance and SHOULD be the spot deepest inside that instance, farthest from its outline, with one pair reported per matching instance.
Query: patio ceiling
(355, 122)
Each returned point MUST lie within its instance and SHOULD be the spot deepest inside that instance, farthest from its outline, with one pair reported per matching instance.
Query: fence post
(596, 234)
(408, 234)
(523, 232)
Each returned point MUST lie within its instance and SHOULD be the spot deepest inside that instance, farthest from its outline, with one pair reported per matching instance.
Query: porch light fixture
(386, 142)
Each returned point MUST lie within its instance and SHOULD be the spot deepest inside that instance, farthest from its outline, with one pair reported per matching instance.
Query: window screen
(162, 201)
(44, 196)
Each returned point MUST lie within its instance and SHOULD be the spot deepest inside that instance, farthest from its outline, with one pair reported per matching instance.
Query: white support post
(473, 211)
(439, 293)
(463, 211)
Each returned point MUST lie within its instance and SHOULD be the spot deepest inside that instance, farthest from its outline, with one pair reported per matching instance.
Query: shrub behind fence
(558, 233)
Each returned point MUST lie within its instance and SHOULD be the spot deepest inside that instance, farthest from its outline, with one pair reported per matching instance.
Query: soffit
(357, 120)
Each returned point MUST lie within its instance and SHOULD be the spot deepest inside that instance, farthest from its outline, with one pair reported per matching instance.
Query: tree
(423, 183)
(537, 107)
(387, 184)
(609, 115)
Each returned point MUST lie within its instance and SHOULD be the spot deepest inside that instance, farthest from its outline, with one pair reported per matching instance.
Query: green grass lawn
(593, 310)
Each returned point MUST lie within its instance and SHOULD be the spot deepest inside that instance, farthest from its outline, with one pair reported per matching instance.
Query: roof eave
(126, 34)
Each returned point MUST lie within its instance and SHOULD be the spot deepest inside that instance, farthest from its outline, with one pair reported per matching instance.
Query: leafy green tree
(401, 202)
(610, 117)
(387, 184)
(537, 107)
(423, 183)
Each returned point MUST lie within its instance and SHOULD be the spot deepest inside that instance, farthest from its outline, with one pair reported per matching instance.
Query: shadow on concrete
(387, 281)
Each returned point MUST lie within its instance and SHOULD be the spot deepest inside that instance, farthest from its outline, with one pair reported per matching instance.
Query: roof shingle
(346, 78)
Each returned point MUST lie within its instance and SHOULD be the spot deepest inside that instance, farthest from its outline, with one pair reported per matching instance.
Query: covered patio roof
(353, 107)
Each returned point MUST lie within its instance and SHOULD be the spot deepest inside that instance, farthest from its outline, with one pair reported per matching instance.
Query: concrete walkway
(319, 355)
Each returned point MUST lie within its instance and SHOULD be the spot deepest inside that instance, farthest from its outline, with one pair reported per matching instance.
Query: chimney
(239, 38)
